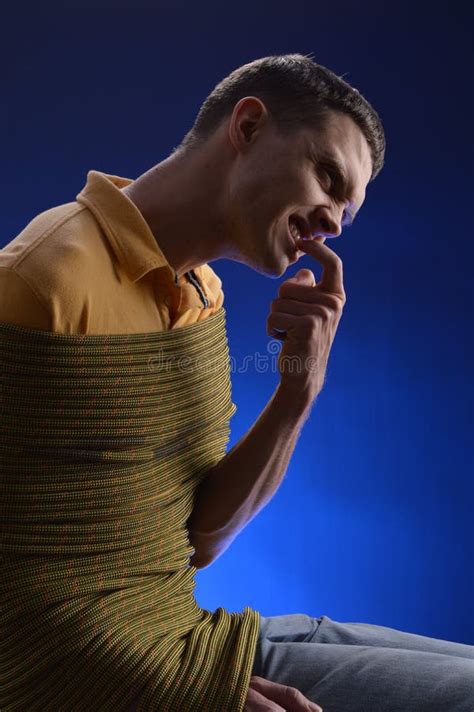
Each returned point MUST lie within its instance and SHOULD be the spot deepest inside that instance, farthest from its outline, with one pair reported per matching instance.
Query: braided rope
(104, 441)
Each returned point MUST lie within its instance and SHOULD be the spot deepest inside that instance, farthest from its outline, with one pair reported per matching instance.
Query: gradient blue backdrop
(374, 520)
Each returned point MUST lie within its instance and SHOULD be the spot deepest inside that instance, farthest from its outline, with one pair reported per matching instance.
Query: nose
(329, 227)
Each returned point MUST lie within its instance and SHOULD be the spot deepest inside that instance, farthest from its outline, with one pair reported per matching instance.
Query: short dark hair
(297, 92)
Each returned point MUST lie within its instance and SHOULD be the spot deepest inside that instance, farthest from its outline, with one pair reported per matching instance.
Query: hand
(306, 316)
(267, 696)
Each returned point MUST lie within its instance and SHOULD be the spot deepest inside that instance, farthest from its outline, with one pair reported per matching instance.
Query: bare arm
(244, 481)
(305, 316)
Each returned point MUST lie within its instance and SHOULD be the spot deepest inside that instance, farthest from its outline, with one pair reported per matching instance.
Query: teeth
(294, 230)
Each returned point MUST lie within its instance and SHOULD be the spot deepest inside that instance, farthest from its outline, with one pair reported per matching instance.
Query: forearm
(240, 485)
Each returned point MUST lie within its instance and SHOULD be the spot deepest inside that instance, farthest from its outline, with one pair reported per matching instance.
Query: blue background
(374, 519)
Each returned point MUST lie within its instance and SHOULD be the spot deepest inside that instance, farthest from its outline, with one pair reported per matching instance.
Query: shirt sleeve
(19, 304)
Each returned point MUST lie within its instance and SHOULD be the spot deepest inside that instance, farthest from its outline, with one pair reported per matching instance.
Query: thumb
(306, 277)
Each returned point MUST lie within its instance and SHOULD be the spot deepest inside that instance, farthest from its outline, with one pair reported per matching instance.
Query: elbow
(207, 547)
(200, 559)
(200, 563)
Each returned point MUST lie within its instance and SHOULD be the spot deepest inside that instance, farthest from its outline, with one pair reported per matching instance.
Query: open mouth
(298, 229)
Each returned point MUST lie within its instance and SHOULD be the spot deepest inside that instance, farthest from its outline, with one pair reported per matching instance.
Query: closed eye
(336, 183)
(333, 177)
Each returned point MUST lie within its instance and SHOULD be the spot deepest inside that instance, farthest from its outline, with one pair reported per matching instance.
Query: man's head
(281, 144)
(297, 92)
(287, 129)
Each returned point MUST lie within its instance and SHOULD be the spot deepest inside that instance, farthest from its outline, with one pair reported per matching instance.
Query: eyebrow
(338, 168)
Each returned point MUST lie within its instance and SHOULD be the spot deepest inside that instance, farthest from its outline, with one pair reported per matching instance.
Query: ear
(248, 117)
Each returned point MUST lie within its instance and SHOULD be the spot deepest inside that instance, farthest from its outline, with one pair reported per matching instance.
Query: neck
(183, 201)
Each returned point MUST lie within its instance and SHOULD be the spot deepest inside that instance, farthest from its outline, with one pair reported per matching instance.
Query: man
(278, 160)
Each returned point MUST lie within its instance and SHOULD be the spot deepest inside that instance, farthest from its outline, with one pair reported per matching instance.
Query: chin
(277, 270)
(273, 264)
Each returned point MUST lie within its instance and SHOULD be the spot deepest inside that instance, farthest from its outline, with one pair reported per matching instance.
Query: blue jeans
(358, 667)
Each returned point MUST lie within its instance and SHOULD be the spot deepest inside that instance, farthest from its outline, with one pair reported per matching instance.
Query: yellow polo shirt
(93, 266)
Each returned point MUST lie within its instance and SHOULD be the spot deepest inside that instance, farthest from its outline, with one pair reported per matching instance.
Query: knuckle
(293, 695)
(334, 302)
(324, 312)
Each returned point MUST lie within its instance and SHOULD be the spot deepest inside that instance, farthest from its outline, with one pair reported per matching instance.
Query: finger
(310, 295)
(304, 276)
(264, 703)
(290, 698)
(294, 306)
(332, 277)
(278, 324)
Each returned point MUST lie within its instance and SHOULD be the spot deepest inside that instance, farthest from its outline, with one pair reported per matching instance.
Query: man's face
(312, 180)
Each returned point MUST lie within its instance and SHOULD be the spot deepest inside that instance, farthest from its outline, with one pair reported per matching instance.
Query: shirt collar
(125, 227)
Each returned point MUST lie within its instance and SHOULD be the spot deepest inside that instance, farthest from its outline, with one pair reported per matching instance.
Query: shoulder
(49, 239)
(43, 267)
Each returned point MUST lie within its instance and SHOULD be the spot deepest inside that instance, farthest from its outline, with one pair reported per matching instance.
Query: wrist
(297, 403)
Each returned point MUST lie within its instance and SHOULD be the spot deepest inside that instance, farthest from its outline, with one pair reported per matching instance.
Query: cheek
(253, 196)
(299, 188)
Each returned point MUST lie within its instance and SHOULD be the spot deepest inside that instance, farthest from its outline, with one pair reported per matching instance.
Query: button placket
(192, 277)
